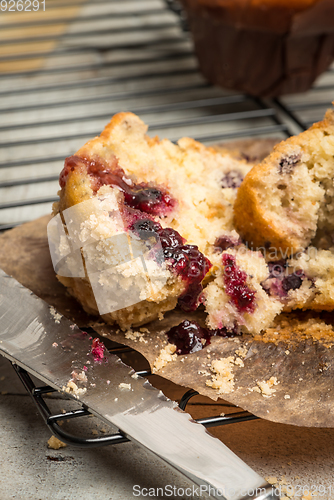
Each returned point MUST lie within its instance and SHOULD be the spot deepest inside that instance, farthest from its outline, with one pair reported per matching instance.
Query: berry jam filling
(232, 179)
(98, 349)
(235, 285)
(190, 337)
(279, 282)
(185, 260)
(224, 242)
(142, 196)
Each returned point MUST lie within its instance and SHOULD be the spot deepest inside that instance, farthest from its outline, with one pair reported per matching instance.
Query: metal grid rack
(65, 71)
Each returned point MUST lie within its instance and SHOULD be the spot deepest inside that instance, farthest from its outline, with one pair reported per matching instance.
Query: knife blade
(56, 351)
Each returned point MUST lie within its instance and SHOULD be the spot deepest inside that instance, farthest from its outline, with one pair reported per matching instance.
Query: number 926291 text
(22, 5)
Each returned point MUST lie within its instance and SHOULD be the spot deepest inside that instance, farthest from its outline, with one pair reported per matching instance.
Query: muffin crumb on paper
(167, 354)
(223, 377)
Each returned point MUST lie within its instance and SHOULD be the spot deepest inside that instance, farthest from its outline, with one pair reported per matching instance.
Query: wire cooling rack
(64, 72)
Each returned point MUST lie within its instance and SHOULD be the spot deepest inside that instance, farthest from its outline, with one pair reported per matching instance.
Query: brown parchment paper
(296, 351)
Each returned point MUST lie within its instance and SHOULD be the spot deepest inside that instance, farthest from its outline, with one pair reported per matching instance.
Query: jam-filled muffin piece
(178, 196)
(236, 297)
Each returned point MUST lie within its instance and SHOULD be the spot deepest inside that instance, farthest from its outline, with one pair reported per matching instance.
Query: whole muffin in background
(262, 47)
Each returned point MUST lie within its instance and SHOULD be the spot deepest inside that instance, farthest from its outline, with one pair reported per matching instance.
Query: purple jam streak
(189, 336)
(149, 199)
(235, 285)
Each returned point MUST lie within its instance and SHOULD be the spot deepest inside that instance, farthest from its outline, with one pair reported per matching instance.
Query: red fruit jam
(144, 197)
(98, 349)
(190, 337)
(235, 285)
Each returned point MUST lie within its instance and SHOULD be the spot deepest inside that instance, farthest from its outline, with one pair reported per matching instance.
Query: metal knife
(52, 348)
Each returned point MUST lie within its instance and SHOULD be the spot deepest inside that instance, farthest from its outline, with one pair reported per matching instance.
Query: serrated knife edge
(52, 350)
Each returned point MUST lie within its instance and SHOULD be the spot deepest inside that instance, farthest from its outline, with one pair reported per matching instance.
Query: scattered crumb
(204, 372)
(135, 375)
(222, 378)
(286, 396)
(94, 431)
(122, 385)
(160, 316)
(56, 316)
(266, 387)
(144, 330)
(55, 443)
(282, 486)
(166, 355)
(222, 414)
(239, 362)
(135, 336)
(255, 389)
(271, 479)
(73, 389)
(79, 377)
(242, 352)
(116, 399)
(55, 344)
(287, 352)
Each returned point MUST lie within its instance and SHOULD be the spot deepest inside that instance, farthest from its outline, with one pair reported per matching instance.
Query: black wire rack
(79, 62)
